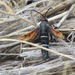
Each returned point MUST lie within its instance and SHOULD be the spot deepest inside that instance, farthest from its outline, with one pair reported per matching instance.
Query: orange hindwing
(30, 36)
(57, 33)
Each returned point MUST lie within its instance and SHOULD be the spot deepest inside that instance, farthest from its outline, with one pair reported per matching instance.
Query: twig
(69, 36)
(18, 16)
(8, 54)
(14, 33)
(65, 17)
(66, 30)
(66, 68)
(28, 6)
(27, 48)
(58, 7)
(8, 45)
(57, 16)
(24, 19)
(33, 18)
(72, 39)
(64, 43)
(7, 7)
(49, 50)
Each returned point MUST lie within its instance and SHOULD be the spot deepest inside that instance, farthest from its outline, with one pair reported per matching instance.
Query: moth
(43, 32)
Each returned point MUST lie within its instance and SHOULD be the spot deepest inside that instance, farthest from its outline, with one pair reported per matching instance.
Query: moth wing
(57, 33)
(30, 36)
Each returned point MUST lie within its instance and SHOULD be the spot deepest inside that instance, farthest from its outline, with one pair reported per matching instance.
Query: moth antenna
(47, 12)
(37, 12)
